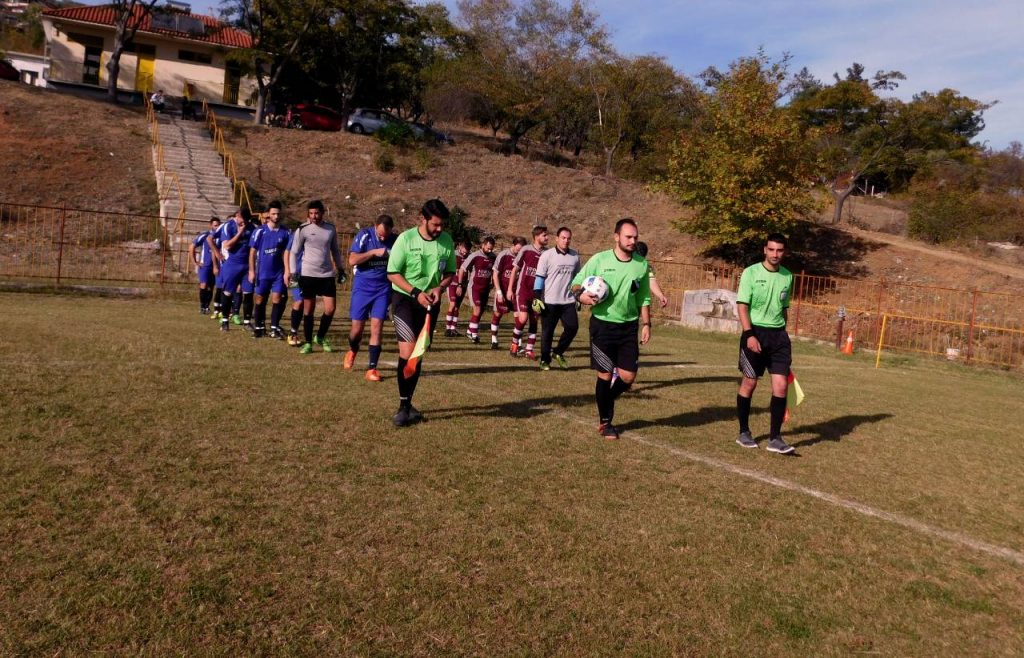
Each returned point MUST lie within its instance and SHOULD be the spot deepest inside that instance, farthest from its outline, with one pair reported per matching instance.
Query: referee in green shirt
(421, 266)
(614, 321)
(762, 303)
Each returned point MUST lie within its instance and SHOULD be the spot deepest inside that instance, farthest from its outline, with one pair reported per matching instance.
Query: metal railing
(239, 189)
(168, 183)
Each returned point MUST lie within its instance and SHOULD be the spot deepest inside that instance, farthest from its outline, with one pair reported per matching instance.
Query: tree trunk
(840, 197)
(262, 99)
(113, 73)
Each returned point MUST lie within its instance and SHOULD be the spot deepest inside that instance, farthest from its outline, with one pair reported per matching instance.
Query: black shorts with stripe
(317, 286)
(408, 316)
(776, 353)
(614, 345)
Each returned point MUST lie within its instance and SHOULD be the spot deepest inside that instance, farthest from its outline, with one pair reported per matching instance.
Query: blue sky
(974, 47)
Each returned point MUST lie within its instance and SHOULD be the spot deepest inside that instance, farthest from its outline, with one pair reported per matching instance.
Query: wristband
(647, 324)
(746, 334)
(415, 292)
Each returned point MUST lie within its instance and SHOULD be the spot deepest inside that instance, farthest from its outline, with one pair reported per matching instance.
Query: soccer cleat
(248, 326)
(216, 315)
(401, 419)
(350, 358)
(414, 414)
(514, 349)
(224, 326)
(560, 361)
(237, 319)
(544, 365)
(776, 444)
(608, 431)
(476, 340)
(494, 345)
(258, 332)
(293, 339)
(372, 375)
(746, 440)
(530, 355)
(204, 311)
(307, 348)
(323, 342)
(276, 333)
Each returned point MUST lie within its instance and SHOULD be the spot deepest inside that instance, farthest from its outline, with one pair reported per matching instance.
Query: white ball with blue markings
(596, 287)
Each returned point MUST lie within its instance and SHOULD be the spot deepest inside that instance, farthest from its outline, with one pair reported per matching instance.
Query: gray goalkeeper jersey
(317, 243)
(558, 268)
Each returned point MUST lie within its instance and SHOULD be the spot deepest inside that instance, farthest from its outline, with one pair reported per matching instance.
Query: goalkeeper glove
(342, 277)
(293, 281)
(538, 305)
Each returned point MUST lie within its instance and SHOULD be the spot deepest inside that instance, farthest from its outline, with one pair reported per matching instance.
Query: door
(145, 68)
(232, 81)
(91, 65)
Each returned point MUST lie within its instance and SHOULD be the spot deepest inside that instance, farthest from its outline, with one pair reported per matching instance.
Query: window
(193, 56)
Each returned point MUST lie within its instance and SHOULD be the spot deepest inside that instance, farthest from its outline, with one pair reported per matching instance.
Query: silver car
(366, 121)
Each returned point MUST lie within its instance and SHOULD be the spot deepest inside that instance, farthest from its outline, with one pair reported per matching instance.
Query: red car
(313, 117)
(8, 72)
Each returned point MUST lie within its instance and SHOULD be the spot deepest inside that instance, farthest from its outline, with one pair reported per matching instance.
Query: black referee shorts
(317, 286)
(776, 353)
(408, 316)
(614, 345)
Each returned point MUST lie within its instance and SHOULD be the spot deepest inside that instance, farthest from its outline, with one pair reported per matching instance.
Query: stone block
(711, 310)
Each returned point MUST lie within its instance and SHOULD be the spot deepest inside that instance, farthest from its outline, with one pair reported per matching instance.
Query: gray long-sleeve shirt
(558, 268)
(317, 243)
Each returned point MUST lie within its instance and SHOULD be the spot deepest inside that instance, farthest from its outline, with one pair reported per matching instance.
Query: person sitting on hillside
(158, 100)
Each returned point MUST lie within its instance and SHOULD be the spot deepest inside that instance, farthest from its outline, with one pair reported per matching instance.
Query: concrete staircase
(189, 153)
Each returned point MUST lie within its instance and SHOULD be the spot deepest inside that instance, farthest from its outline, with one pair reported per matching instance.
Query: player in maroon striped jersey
(455, 293)
(501, 277)
(475, 277)
(520, 291)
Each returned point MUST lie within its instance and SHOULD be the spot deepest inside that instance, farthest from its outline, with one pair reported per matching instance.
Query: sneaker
(560, 360)
(746, 440)
(544, 365)
(401, 419)
(323, 343)
(236, 318)
(350, 358)
(494, 345)
(307, 348)
(372, 375)
(414, 414)
(258, 332)
(778, 445)
(608, 431)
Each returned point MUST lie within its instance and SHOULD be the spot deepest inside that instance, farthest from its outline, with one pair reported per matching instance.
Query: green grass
(166, 489)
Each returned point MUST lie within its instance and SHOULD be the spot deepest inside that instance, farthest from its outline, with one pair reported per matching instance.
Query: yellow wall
(171, 73)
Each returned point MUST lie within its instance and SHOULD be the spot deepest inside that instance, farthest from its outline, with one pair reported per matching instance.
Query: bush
(396, 134)
(425, 159)
(942, 215)
(385, 160)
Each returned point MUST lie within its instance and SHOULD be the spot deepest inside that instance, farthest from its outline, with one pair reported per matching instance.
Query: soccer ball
(596, 287)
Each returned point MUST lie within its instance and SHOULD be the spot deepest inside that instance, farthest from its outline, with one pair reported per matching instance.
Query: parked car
(365, 121)
(427, 133)
(8, 72)
(313, 117)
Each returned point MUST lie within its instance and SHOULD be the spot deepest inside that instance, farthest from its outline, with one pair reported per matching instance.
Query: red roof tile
(217, 33)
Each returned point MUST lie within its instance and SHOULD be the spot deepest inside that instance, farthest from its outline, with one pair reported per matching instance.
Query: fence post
(163, 255)
(799, 296)
(60, 240)
(970, 331)
(878, 305)
(881, 339)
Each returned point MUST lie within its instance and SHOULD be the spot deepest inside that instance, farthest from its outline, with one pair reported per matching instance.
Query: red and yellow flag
(794, 395)
(422, 343)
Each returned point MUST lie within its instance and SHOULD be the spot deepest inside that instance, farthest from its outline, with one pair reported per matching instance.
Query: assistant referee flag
(422, 343)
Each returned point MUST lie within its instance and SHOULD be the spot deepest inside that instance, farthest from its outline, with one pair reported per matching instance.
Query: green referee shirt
(767, 294)
(629, 286)
(423, 263)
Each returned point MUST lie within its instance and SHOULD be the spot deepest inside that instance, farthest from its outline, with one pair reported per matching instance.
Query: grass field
(170, 490)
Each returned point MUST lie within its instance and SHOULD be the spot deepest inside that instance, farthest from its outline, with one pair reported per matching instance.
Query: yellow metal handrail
(239, 190)
(168, 180)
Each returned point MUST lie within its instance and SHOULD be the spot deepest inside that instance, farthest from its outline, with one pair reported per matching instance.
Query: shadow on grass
(833, 430)
(695, 418)
(516, 408)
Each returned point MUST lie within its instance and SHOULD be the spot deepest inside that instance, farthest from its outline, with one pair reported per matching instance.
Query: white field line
(901, 520)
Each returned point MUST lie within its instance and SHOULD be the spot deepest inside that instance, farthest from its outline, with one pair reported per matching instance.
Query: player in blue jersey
(296, 320)
(371, 290)
(235, 236)
(213, 241)
(201, 255)
(248, 286)
(266, 271)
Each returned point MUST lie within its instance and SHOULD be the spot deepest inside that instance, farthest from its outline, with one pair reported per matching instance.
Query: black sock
(218, 297)
(276, 311)
(236, 303)
(605, 401)
(260, 315)
(374, 357)
(778, 412)
(296, 319)
(404, 396)
(205, 295)
(743, 412)
(307, 327)
(247, 302)
(353, 343)
(619, 387)
(412, 381)
(325, 324)
(225, 305)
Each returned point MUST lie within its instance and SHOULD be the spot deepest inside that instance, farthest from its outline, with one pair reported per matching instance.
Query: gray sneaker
(778, 445)
(746, 440)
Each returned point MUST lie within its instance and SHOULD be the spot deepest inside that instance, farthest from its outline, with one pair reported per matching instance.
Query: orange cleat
(350, 358)
(372, 375)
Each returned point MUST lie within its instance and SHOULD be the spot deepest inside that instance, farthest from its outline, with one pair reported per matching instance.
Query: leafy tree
(129, 15)
(747, 163)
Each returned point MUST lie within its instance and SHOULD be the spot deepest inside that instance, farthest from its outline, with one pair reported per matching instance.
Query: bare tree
(129, 15)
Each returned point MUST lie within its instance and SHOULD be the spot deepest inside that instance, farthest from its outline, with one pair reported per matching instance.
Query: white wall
(32, 67)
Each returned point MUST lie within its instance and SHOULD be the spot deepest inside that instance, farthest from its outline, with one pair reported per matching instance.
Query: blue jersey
(298, 256)
(374, 272)
(203, 249)
(270, 245)
(239, 253)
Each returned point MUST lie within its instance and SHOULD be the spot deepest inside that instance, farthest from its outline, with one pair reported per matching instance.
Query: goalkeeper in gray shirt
(321, 266)
(553, 299)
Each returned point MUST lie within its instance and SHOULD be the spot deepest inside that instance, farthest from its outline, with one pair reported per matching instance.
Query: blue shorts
(205, 275)
(370, 303)
(296, 294)
(266, 286)
(232, 274)
(247, 286)
(219, 279)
